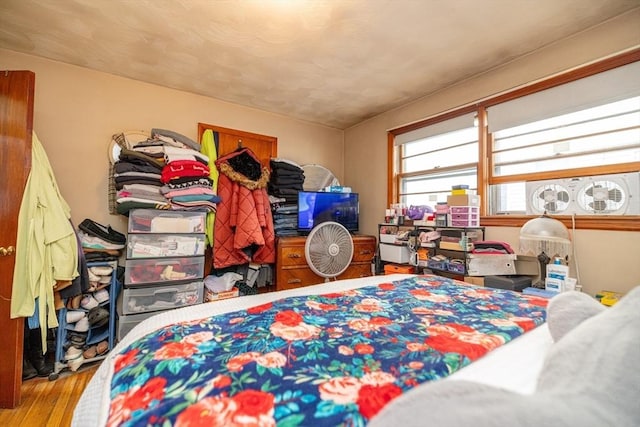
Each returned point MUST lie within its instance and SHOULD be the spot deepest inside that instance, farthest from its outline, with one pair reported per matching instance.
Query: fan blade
(562, 196)
(615, 195)
(551, 206)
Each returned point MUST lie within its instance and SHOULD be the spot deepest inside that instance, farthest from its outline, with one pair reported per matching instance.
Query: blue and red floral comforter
(331, 359)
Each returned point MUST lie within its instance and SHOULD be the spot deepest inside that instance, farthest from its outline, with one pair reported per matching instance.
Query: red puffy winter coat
(244, 225)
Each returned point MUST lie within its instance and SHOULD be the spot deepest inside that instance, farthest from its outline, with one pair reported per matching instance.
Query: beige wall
(607, 260)
(77, 110)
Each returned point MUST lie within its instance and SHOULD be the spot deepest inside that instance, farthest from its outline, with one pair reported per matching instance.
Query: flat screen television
(317, 207)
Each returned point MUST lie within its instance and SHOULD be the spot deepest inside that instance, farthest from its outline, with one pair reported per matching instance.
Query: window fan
(552, 198)
(329, 249)
(602, 197)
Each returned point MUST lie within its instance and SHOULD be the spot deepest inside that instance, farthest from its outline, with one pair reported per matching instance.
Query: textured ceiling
(333, 62)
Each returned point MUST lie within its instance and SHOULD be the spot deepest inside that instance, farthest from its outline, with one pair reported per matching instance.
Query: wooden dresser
(292, 270)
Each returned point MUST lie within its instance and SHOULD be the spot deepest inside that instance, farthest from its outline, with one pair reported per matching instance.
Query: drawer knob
(291, 281)
(294, 255)
(365, 252)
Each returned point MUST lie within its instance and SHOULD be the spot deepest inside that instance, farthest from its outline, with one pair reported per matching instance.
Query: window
(569, 146)
(434, 158)
(608, 134)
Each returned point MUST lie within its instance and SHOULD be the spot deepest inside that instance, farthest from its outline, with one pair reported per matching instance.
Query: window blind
(611, 85)
(457, 123)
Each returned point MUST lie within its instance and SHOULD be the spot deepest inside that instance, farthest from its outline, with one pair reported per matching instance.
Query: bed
(330, 354)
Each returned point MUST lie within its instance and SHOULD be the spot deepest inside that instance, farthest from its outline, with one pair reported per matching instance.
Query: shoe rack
(72, 350)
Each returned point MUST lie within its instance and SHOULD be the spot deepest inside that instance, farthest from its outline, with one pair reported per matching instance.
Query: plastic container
(165, 245)
(163, 297)
(163, 270)
(160, 221)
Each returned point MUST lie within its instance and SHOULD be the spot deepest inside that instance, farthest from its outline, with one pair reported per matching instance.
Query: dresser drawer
(356, 270)
(292, 278)
(291, 256)
(364, 248)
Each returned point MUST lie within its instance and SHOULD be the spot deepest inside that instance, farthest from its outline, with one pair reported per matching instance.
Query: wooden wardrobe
(16, 127)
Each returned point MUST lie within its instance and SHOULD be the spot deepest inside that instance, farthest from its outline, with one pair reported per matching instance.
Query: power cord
(575, 257)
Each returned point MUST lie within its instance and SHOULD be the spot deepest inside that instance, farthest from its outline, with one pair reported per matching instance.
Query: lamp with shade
(545, 238)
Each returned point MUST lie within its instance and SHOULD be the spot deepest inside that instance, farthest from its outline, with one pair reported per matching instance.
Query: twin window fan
(614, 194)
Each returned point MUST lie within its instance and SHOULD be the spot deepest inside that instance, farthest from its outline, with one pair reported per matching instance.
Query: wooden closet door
(16, 126)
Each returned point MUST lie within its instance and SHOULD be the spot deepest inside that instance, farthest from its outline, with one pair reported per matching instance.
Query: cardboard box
(478, 281)
(463, 200)
(210, 296)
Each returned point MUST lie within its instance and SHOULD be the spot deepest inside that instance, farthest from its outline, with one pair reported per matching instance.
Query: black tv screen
(317, 207)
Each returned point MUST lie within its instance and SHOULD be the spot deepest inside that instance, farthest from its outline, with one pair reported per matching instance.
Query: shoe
(39, 364)
(101, 296)
(104, 232)
(75, 364)
(88, 302)
(92, 276)
(73, 303)
(101, 271)
(98, 316)
(102, 348)
(28, 371)
(105, 280)
(74, 315)
(82, 325)
(90, 352)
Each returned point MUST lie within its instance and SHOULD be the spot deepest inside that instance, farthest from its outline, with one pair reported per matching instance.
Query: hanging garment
(243, 225)
(209, 148)
(46, 247)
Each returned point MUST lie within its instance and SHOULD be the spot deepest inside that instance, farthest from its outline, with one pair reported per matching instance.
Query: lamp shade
(545, 235)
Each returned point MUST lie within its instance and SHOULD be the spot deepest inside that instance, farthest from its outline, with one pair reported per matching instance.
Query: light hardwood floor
(49, 403)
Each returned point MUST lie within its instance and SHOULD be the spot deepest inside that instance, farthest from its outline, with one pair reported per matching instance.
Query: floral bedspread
(322, 360)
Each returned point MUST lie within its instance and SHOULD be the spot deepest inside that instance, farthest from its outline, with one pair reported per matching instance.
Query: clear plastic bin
(165, 245)
(160, 221)
(162, 297)
(163, 270)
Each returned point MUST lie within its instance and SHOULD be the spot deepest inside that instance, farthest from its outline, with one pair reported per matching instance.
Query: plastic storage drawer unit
(159, 221)
(127, 322)
(154, 298)
(160, 271)
(165, 245)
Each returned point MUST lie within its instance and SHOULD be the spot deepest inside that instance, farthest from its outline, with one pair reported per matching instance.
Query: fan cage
(329, 249)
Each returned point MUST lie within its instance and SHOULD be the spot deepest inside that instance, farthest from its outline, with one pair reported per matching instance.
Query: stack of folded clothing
(166, 171)
(285, 219)
(100, 242)
(137, 176)
(186, 178)
(286, 181)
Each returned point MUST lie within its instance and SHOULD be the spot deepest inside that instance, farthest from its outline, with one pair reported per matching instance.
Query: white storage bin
(388, 238)
(161, 221)
(165, 245)
(163, 270)
(163, 297)
(491, 265)
(394, 253)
